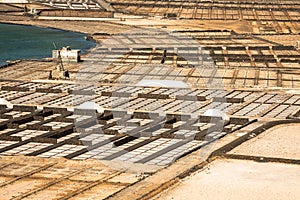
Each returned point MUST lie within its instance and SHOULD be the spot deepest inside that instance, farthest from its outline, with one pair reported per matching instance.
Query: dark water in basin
(29, 42)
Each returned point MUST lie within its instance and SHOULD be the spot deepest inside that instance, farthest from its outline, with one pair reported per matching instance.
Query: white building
(67, 54)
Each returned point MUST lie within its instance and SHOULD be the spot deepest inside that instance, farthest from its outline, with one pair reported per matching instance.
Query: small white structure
(66, 54)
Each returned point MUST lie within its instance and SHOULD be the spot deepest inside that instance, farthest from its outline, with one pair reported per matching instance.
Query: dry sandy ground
(89, 27)
(153, 22)
(239, 179)
(113, 27)
(280, 142)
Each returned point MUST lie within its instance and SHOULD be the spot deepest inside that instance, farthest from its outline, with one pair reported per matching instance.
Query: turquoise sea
(30, 42)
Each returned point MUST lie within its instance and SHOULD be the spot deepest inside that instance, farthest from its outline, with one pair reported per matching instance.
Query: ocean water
(30, 42)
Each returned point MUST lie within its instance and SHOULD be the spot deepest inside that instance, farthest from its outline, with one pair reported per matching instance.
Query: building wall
(67, 55)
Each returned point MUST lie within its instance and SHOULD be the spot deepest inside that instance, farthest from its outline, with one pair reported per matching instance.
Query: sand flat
(280, 142)
(239, 179)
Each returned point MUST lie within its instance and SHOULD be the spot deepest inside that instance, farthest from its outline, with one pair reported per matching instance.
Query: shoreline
(7, 63)
(68, 26)
(65, 25)
(39, 26)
